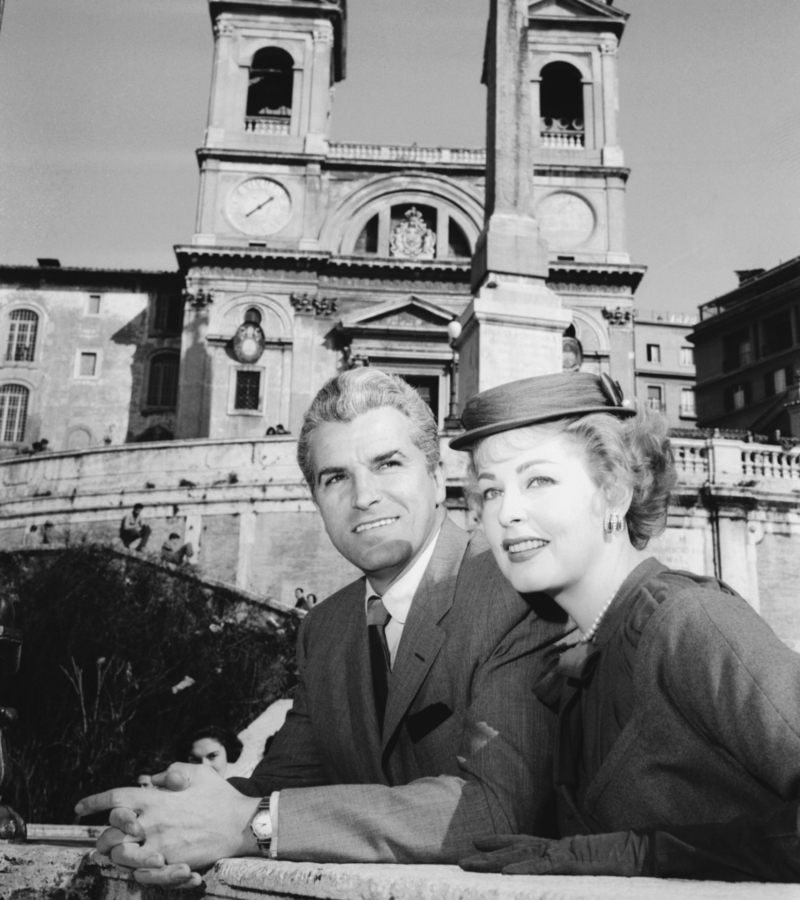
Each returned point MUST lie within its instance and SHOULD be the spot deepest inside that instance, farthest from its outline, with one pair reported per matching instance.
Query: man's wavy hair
(632, 453)
(358, 391)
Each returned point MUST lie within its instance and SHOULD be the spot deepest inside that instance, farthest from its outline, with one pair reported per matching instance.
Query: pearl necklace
(585, 638)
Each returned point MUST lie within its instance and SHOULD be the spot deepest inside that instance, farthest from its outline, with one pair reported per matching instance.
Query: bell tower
(580, 175)
(275, 65)
(579, 167)
(260, 205)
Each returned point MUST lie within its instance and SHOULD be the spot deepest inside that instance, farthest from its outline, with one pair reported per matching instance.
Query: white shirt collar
(400, 594)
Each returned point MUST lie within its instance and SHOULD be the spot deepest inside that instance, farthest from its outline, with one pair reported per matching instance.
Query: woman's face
(542, 513)
(209, 752)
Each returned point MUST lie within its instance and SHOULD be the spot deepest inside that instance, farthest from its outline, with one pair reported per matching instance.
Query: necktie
(377, 620)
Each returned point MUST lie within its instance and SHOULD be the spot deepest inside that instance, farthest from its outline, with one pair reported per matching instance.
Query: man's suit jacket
(466, 747)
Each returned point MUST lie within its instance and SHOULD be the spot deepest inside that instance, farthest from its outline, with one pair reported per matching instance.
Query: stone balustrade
(110, 477)
(406, 154)
(267, 125)
(770, 462)
(39, 872)
(691, 461)
(643, 314)
(561, 140)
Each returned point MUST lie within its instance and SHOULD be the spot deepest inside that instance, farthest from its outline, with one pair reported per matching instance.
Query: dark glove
(623, 853)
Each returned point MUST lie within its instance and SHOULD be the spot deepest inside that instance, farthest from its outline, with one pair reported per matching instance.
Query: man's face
(376, 496)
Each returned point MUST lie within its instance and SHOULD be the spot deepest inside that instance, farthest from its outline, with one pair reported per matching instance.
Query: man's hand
(193, 819)
(122, 841)
(622, 853)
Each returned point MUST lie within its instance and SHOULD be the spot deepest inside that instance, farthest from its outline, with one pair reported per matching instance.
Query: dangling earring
(613, 523)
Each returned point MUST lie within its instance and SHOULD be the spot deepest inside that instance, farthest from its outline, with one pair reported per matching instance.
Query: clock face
(566, 220)
(259, 206)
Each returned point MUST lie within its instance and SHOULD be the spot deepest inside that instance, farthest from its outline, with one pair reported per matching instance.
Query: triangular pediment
(403, 314)
(575, 9)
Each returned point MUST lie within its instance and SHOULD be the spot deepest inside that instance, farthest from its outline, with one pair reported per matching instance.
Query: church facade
(309, 256)
(330, 255)
(184, 391)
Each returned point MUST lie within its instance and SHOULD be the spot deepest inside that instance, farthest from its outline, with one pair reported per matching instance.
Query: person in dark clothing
(133, 529)
(678, 745)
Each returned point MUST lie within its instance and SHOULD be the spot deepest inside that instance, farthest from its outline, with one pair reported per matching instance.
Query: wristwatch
(261, 826)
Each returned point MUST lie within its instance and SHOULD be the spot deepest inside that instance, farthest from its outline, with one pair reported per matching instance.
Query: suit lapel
(422, 636)
(358, 696)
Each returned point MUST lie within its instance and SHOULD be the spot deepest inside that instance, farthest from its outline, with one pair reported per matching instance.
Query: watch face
(261, 825)
(259, 206)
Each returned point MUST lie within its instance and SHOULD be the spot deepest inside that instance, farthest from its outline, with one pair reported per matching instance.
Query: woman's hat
(544, 398)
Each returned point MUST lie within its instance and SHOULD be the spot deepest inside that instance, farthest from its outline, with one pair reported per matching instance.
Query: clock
(259, 207)
(566, 220)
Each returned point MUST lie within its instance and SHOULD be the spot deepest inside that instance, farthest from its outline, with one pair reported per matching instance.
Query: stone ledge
(56, 872)
(39, 871)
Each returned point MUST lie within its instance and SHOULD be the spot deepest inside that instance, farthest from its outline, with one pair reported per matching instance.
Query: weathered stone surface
(245, 877)
(39, 871)
(30, 872)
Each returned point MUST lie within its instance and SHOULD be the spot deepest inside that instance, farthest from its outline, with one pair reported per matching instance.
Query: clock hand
(260, 206)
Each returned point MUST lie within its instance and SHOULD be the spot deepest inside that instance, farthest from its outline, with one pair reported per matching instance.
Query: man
(173, 551)
(132, 528)
(408, 736)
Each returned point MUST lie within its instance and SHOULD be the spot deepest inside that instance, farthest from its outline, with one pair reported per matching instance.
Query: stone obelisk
(514, 324)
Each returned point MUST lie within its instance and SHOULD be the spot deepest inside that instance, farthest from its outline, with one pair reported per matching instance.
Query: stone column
(615, 193)
(737, 536)
(514, 324)
(194, 392)
(384, 231)
(320, 74)
(589, 140)
(192, 535)
(621, 352)
(612, 152)
(222, 82)
(247, 537)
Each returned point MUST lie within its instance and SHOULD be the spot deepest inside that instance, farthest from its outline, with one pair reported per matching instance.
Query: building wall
(739, 353)
(668, 333)
(244, 506)
(70, 409)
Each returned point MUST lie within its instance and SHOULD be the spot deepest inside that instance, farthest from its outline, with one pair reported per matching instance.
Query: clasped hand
(164, 836)
(621, 853)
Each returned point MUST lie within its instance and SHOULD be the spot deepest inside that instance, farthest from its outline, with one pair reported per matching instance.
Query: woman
(678, 749)
(211, 746)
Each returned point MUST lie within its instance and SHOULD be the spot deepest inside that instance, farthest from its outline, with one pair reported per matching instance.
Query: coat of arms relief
(411, 238)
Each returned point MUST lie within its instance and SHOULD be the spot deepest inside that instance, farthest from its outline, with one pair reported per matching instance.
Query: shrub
(121, 656)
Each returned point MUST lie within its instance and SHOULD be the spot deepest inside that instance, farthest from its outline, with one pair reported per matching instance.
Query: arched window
(162, 383)
(368, 239)
(411, 230)
(457, 241)
(561, 107)
(413, 234)
(13, 412)
(23, 324)
(269, 97)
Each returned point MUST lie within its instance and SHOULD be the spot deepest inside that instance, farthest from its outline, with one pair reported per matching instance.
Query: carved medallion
(411, 238)
(248, 343)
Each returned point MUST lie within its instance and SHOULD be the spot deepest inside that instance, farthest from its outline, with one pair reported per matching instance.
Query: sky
(103, 103)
